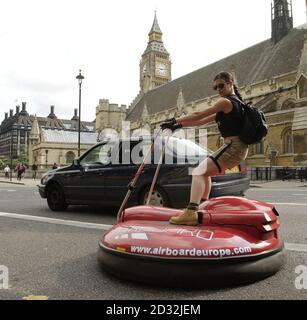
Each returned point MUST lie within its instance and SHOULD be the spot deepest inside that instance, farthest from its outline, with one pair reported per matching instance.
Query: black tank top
(230, 124)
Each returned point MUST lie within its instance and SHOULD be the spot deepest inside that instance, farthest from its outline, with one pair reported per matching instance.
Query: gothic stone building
(271, 74)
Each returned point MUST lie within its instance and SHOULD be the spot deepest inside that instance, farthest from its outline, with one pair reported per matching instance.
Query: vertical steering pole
(132, 184)
(157, 171)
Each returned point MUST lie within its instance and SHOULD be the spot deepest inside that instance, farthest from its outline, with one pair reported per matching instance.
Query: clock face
(161, 69)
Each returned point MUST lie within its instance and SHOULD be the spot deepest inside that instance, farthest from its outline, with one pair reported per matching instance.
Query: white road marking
(72, 223)
(290, 204)
(288, 246)
(273, 190)
(296, 247)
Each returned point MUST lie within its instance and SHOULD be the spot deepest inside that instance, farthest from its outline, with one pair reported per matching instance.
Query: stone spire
(34, 133)
(155, 42)
(302, 69)
(155, 26)
(145, 115)
(180, 103)
(234, 74)
(282, 19)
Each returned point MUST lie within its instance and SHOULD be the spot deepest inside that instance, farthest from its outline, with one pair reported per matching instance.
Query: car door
(119, 175)
(88, 185)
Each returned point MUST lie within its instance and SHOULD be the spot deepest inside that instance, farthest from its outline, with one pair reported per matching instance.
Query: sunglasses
(219, 86)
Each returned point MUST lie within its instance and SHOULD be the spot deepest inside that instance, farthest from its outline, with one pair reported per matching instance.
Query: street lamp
(80, 78)
(46, 151)
(272, 156)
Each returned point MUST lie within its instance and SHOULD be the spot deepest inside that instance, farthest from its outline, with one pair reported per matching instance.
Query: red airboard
(231, 227)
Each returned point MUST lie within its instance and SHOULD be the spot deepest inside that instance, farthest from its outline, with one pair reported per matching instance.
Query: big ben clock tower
(155, 64)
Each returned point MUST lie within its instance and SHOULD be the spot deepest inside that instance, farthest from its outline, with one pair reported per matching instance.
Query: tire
(159, 197)
(55, 198)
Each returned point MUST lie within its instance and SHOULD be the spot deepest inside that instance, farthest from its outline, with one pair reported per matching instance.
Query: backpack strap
(237, 99)
(243, 104)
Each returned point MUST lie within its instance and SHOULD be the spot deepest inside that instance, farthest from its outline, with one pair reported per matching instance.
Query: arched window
(70, 156)
(288, 141)
(259, 148)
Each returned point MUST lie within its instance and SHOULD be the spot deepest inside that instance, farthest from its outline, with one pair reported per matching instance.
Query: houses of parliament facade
(271, 74)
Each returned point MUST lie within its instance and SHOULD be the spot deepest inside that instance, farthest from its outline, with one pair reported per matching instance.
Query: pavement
(278, 184)
(24, 182)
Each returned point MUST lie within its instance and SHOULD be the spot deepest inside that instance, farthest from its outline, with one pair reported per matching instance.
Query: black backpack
(255, 127)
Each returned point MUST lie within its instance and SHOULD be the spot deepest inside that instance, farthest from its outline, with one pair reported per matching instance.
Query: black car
(103, 173)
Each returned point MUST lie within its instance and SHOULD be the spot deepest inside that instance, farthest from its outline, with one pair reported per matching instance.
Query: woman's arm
(200, 122)
(193, 119)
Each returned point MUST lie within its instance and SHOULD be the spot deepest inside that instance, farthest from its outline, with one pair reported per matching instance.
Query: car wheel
(159, 197)
(55, 198)
(241, 194)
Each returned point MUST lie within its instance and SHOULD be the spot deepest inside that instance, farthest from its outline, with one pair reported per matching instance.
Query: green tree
(2, 164)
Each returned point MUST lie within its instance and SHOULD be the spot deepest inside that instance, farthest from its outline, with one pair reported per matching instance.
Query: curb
(11, 182)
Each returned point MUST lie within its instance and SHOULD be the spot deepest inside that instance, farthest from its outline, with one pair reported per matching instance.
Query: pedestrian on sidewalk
(34, 169)
(55, 166)
(21, 169)
(7, 171)
(17, 169)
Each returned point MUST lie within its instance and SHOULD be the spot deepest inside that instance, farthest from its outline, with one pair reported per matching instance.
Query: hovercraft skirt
(189, 273)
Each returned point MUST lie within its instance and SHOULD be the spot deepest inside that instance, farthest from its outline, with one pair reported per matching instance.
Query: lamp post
(272, 156)
(46, 151)
(80, 78)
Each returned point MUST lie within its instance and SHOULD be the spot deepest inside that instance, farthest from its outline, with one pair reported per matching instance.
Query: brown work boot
(189, 217)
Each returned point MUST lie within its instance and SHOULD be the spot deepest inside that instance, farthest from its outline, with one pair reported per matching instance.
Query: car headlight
(45, 179)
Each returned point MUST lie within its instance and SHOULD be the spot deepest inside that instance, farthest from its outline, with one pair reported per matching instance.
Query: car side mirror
(75, 162)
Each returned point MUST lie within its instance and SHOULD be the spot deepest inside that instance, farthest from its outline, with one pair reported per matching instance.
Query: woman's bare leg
(201, 180)
(201, 184)
(208, 185)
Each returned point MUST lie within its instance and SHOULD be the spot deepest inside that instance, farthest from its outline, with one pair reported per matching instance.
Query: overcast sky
(44, 43)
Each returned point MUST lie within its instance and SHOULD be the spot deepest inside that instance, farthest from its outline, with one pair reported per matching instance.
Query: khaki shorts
(230, 154)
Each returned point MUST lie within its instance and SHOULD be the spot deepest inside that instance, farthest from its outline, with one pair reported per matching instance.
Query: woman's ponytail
(236, 90)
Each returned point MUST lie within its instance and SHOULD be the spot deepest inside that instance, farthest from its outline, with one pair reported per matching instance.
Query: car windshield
(101, 155)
